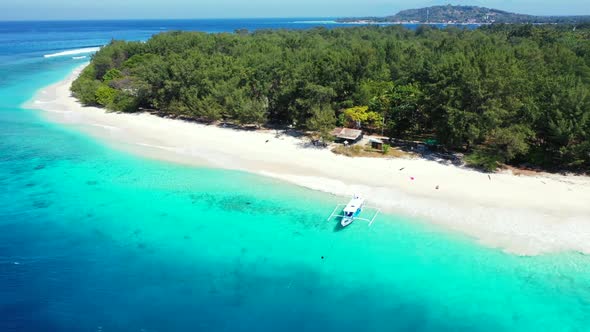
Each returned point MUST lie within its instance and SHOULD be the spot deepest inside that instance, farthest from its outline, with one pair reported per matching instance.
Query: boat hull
(346, 221)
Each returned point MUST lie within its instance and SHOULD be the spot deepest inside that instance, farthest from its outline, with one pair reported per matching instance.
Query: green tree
(322, 121)
(360, 116)
(112, 74)
(501, 94)
(105, 95)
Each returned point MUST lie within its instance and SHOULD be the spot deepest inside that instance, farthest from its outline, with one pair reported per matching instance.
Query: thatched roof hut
(347, 134)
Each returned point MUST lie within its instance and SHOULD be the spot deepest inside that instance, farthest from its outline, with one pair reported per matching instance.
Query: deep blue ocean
(92, 239)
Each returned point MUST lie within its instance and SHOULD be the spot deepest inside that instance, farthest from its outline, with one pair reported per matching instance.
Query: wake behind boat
(352, 211)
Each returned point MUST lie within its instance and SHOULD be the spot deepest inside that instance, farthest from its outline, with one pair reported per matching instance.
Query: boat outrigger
(352, 211)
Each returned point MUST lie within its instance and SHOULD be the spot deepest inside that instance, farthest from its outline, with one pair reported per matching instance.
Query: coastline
(410, 22)
(525, 215)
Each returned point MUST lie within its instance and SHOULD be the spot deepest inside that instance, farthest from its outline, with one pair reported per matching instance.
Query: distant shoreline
(525, 215)
(466, 14)
(409, 22)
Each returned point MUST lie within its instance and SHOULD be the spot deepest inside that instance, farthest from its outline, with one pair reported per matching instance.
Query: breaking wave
(72, 52)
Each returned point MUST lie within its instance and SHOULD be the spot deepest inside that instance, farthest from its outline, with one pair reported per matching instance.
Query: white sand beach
(525, 215)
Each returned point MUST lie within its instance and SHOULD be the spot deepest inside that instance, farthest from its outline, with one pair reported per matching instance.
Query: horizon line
(252, 17)
(174, 19)
(225, 18)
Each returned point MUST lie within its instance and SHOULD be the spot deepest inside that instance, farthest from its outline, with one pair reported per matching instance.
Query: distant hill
(466, 14)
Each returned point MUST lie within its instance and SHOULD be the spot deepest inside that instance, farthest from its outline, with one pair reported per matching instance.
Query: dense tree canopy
(512, 94)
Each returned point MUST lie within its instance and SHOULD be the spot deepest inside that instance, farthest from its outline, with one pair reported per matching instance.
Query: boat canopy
(354, 205)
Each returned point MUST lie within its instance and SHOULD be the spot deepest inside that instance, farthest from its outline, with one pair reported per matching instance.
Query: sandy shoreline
(520, 214)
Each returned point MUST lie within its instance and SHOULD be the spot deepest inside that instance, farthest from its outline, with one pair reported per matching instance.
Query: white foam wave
(72, 52)
(161, 147)
(105, 126)
(370, 23)
(57, 111)
(314, 22)
(79, 57)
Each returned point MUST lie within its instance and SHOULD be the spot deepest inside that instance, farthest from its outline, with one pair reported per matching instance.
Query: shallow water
(92, 239)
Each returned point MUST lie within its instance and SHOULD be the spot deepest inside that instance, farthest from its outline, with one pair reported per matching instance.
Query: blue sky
(100, 9)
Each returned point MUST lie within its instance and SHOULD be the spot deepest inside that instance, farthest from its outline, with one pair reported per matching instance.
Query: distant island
(450, 14)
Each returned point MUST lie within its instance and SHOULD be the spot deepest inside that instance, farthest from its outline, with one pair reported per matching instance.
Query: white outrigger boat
(352, 211)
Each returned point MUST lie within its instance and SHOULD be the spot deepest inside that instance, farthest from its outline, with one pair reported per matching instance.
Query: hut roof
(375, 140)
(347, 133)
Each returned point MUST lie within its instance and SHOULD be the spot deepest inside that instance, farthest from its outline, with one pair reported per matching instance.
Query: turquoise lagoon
(92, 239)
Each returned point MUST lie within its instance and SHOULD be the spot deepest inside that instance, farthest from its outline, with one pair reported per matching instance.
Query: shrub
(85, 90)
(124, 103)
(112, 74)
(483, 159)
(105, 95)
